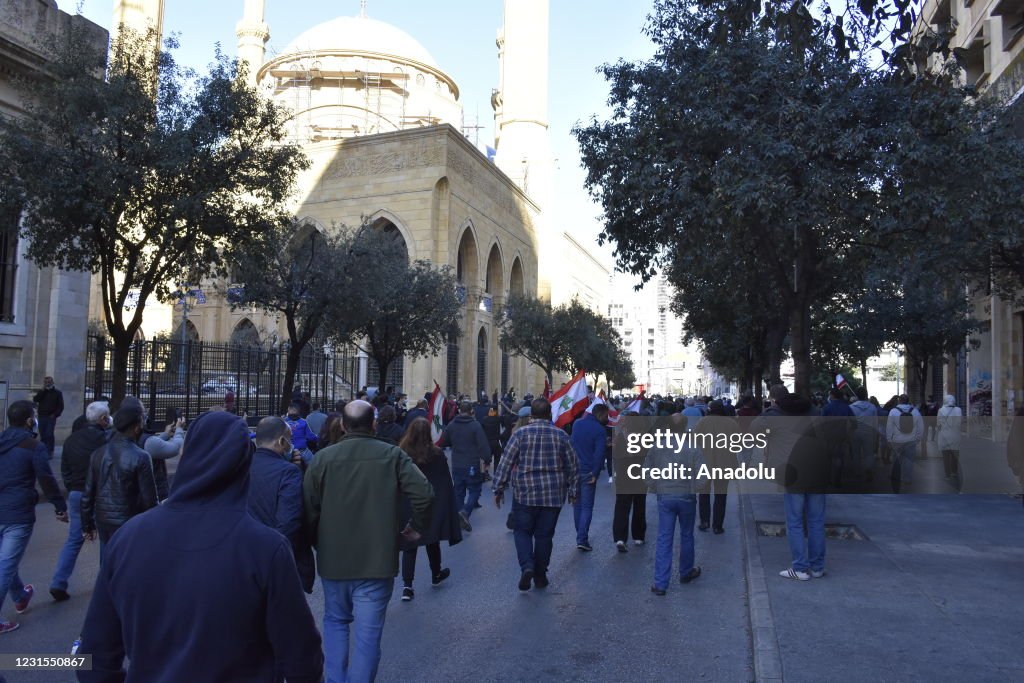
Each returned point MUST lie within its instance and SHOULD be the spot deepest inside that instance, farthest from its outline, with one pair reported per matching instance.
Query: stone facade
(451, 206)
(45, 332)
(990, 376)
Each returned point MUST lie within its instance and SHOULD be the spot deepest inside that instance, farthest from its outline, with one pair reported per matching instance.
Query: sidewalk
(934, 593)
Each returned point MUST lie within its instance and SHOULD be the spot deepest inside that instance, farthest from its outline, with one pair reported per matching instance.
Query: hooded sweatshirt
(467, 440)
(23, 461)
(196, 589)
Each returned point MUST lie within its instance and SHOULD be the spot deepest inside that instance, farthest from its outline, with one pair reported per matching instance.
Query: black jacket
(275, 499)
(390, 432)
(77, 455)
(444, 520)
(50, 402)
(118, 486)
(468, 442)
(245, 618)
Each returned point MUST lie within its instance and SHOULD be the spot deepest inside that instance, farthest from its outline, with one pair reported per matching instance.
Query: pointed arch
(517, 279)
(388, 222)
(467, 259)
(494, 276)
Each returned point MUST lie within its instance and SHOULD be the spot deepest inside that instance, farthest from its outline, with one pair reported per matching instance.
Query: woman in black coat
(444, 525)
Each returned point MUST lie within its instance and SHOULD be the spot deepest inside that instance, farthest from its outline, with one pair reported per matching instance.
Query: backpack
(906, 421)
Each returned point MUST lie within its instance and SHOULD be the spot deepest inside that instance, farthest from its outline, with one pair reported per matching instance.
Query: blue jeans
(13, 541)
(467, 483)
(46, 426)
(670, 509)
(903, 454)
(534, 533)
(72, 546)
(583, 511)
(809, 553)
(364, 601)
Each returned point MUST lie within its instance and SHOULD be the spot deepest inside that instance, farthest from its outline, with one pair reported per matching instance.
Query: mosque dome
(364, 36)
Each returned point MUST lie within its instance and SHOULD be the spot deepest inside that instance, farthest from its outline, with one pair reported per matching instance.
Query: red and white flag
(547, 390)
(570, 401)
(435, 412)
(637, 403)
(840, 381)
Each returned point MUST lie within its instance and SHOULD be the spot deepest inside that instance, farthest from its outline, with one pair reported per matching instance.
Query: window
(8, 261)
(481, 362)
(452, 373)
(504, 372)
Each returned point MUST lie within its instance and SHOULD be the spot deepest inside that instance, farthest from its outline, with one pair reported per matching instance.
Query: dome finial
(362, 8)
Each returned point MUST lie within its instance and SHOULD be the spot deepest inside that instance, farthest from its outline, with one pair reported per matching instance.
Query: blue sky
(460, 35)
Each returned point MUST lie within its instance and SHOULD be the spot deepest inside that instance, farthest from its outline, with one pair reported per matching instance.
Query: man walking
(351, 491)
(120, 482)
(865, 435)
(23, 462)
(303, 438)
(904, 429)
(275, 492)
(589, 440)
(74, 467)
(244, 618)
(50, 406)
(541, 465)
(466, 437)
(677, 501)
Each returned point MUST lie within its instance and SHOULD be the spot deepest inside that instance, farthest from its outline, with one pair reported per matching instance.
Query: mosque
(381, 122)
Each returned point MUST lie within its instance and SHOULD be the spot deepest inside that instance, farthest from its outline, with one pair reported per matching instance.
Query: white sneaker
(621, 546)
(638, 542)
(794, 574)
(611, 480)
(817, 574)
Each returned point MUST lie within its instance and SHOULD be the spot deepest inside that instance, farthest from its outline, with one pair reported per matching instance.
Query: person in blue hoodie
(304, 439)
(24, 460)
(589, 440)
(197, 589)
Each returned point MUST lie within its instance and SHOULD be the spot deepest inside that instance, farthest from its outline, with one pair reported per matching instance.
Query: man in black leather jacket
(120, 482)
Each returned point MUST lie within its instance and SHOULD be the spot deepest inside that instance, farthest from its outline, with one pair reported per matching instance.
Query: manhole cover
(836, 531)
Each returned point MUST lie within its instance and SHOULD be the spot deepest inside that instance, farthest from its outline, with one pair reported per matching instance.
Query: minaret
(253, 34)
(521, 101)
(521, 128)
(140, 15)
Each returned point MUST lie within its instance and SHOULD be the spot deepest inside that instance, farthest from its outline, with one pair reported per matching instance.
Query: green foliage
(295, 271)
(785, 187)
(148, 177)
(566, 338)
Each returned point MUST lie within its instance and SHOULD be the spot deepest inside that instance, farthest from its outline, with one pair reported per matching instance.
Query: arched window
(391, 230)
(481, 362)
(245, 334)
(452, 373)
(466, 259)
(495, 278)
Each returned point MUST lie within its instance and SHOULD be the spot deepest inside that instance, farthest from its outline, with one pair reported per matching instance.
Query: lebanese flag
(598, 400)
(613, 415)
(637, 403)
(570, 401)
(434, 413)
(547, 390)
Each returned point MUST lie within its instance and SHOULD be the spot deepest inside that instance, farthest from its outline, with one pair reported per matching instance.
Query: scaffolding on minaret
(362, 8)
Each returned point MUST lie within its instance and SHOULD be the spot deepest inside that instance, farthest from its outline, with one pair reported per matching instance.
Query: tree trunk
(119, 368)
(290, 369)
(864, 373)
(383, 365)
(773, 353)
(800, 333)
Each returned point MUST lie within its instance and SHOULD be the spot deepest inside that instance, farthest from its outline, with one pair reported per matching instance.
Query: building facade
(43, 311)
(988, 376)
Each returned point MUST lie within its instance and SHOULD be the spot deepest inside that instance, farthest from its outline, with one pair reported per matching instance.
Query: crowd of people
(254, 512)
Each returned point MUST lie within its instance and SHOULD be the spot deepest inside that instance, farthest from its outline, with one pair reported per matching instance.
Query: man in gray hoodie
(466, 438)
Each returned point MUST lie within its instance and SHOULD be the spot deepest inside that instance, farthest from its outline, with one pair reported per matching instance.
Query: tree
(392, 308)
(543, 335)
(745, 143)
(295, 271)
(621, 374)
(148, 178)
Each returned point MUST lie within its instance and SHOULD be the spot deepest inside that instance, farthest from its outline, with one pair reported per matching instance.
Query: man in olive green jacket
(351, 494)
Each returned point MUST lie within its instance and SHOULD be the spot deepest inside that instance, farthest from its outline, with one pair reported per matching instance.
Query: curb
(767, 658)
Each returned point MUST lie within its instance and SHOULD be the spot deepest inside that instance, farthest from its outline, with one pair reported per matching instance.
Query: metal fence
(194, 376)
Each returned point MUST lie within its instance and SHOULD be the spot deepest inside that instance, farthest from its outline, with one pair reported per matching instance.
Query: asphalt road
(597, 621)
